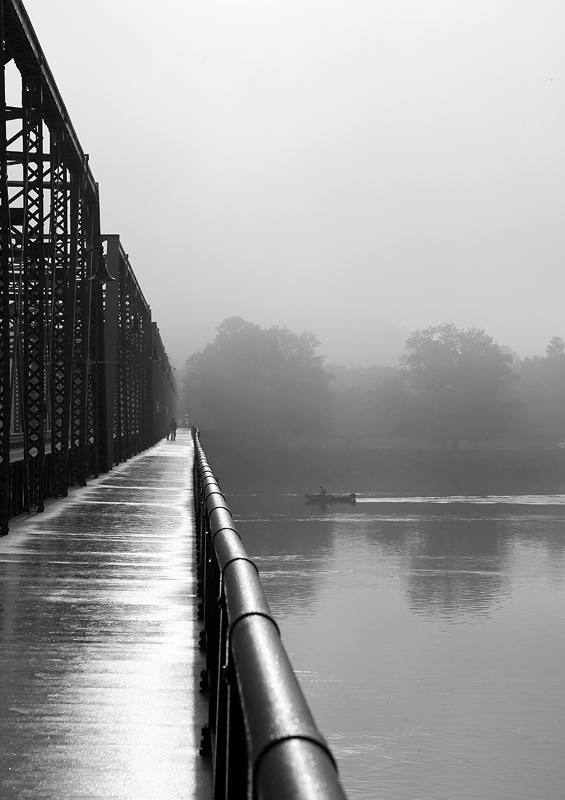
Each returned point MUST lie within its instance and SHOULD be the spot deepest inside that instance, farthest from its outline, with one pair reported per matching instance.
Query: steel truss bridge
(85, 381)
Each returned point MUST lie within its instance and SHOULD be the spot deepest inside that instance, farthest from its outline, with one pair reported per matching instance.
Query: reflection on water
(471, 500)
(427, 634)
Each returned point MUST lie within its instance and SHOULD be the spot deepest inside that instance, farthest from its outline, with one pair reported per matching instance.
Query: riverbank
(410, 471)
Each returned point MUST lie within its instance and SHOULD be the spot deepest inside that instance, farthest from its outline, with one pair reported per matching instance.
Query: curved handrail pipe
(261, 735)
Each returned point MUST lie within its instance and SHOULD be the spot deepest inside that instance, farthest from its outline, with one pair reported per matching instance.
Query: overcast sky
(358, 168)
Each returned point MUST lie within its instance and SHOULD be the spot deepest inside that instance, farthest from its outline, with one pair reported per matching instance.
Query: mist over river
(428, 635)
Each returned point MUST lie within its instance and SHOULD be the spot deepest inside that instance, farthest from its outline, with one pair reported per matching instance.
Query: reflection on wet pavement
(100, 664)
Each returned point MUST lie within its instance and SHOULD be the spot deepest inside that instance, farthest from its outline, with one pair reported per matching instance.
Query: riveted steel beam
(23, 46)
(5, 301)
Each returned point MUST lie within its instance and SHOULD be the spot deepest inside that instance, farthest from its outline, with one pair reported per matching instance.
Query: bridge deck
(98, 640)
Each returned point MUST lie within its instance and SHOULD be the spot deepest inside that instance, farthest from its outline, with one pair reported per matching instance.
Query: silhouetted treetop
(258, 383)
(555, 348)
(457, 374)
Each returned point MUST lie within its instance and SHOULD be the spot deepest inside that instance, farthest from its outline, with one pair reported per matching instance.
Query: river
(428, 635)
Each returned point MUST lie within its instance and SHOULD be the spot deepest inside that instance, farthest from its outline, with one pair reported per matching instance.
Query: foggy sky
(358, 168)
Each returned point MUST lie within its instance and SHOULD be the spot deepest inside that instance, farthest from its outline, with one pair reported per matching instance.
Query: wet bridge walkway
(98, 640)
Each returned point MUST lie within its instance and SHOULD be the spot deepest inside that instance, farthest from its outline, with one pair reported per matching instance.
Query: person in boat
(322, 490)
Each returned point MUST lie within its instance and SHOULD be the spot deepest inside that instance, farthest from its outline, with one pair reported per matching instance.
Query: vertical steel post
(111, 348)
(5, 349)
(61, 316)
(81, 340)
(97, 450)
(34, 291)
(75, 363)
(123, 377)
(83, 404)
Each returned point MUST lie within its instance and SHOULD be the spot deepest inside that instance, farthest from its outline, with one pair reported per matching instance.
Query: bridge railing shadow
(261, 735)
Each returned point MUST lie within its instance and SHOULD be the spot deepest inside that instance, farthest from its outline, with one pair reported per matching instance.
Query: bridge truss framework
(85, 381)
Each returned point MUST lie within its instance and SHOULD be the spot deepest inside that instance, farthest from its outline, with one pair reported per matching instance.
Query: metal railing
(261, 735)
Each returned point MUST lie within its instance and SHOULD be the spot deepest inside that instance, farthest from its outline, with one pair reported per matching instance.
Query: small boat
(331, 498)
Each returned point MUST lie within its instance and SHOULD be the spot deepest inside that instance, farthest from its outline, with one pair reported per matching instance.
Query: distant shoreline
(389, 471)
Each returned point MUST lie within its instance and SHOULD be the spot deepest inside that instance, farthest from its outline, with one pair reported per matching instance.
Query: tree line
(452, 385)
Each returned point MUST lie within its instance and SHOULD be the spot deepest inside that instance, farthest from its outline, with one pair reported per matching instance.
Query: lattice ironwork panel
(61, 314)
(79, 383)
(34, 291)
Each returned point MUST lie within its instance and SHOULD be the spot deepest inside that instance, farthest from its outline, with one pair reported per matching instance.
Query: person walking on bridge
(172, 433)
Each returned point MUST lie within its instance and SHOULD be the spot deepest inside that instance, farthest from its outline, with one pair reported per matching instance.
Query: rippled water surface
(428, 635)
